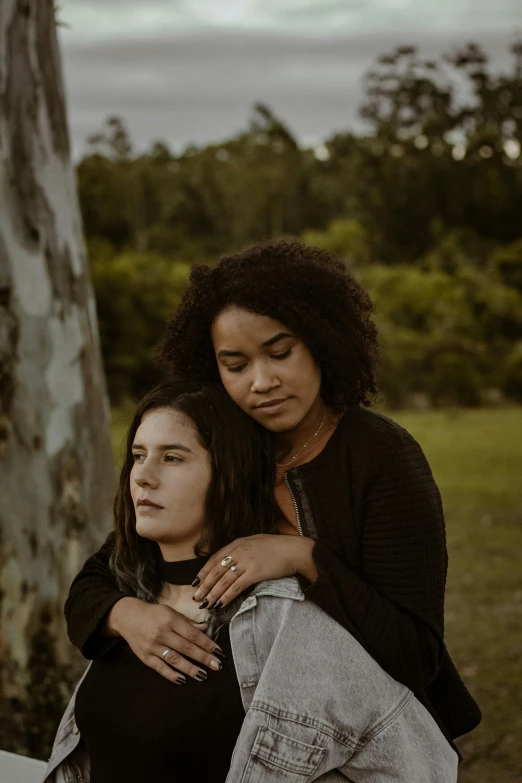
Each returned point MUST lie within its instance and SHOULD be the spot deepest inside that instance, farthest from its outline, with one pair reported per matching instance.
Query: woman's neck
(289, 443)
(179, 550)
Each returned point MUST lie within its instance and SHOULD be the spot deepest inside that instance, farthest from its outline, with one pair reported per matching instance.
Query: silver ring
(226, 561)
(234, 568)
(163, 654)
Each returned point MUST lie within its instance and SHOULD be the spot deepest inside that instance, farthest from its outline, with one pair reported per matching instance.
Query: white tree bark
(56, 472)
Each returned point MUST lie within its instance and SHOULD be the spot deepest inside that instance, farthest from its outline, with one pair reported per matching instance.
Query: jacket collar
(288, 587)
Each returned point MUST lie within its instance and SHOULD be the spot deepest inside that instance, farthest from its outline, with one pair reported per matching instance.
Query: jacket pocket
(276, 757)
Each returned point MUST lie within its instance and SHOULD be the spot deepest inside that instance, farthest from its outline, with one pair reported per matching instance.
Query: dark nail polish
(218, 604)
(201, 676)
(196, 582)
(204, 604)
(181, 681)
(218, 653)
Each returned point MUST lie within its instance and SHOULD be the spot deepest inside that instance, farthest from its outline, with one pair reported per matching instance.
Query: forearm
(92, 595)
(305, 565)
(114, 623)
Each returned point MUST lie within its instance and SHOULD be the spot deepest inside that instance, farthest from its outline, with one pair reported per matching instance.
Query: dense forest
(425, 208)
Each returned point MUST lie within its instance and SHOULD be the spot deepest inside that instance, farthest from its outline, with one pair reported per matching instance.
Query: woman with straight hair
(288, 332)
(188, 487)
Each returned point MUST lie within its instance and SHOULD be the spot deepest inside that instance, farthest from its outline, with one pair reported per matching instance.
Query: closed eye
(236, 369)
(280, 356)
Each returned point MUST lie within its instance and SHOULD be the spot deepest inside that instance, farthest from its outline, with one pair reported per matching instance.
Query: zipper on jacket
(299, 527)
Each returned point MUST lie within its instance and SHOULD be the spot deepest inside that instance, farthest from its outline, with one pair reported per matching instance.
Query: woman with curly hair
(288, 332)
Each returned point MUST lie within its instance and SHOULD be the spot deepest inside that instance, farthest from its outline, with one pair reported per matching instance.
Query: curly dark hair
(308, 290)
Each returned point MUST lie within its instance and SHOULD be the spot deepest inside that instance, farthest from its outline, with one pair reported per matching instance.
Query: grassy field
(476, 457)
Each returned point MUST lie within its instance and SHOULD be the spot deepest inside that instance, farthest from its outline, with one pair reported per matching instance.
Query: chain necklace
(316, 433)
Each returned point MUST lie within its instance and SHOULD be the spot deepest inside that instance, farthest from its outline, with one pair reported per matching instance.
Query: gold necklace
(316, 433)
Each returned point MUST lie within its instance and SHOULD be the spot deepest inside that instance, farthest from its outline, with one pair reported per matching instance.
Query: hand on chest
(179, 598)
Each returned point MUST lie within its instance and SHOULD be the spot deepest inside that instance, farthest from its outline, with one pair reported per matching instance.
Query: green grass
(476, 457)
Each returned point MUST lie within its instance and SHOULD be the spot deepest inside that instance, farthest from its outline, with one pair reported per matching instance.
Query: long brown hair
(239, 500)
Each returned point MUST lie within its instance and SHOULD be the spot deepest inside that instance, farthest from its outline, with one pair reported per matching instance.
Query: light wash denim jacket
(318, 707)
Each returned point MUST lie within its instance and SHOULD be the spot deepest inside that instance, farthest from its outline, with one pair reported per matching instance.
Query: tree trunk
(56, 469)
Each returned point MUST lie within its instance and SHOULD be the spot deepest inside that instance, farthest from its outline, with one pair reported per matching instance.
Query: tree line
(424, 206)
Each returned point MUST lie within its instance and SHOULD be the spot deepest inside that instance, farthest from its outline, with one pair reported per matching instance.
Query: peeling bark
(56, 469)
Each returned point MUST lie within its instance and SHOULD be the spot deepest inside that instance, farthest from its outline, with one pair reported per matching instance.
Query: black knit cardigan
(370, 501)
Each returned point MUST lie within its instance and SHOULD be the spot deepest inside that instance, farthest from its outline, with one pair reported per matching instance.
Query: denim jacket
(317, 705)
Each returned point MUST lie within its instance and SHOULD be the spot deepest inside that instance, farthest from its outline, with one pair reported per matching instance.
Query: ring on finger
(165, 653)
(233, 568)
(228, 560)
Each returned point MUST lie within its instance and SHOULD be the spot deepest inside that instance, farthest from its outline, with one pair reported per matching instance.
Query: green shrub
(135, 295)
(448, 336)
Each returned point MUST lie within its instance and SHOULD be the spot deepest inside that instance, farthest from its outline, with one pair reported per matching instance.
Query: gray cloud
(312, 10)
(199, 87)
(252, 13)
(440, 13)
(70, 7)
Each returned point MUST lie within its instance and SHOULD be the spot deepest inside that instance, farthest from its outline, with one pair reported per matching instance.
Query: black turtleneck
(181, 572)
(140, 728)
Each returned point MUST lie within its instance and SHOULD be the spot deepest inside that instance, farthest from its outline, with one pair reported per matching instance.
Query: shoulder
(374, 434)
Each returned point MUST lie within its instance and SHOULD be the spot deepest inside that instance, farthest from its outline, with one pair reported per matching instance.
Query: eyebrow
(275, 339)
(166, 447)
(272, 341)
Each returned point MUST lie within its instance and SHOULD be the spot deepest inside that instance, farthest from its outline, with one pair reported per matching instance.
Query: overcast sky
(188, 71)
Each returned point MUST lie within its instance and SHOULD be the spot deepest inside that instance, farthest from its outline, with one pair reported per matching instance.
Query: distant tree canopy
(425, 205)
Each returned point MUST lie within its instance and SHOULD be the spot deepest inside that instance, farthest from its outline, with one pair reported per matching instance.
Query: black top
(370, 500)
(140, 728)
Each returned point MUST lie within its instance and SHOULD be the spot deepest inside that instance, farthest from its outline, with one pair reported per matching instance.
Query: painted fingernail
(197, 595)
(204, 604)
(218, 652)
(196, 582)
(201, 675)
(216, 665)
(181, 681)
(218, 604)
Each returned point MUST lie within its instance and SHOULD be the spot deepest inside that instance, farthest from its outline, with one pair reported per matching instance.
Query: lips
(272, 403)
(147, 503)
